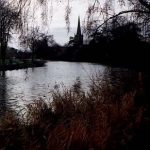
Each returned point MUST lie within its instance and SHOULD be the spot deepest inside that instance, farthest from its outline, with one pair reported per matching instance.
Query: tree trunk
(3, 53)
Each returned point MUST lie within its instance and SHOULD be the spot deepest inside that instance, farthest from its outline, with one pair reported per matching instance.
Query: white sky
(56, 25)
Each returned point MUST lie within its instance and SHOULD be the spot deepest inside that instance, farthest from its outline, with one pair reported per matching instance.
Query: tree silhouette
(138, 10)
(43, 46)
(31, 40)
(9, 19)
(37, 42)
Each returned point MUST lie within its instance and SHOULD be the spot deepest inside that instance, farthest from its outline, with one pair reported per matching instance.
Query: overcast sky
(57, 25)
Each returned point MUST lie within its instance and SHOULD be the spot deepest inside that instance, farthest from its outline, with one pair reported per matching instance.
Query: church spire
(79, 27)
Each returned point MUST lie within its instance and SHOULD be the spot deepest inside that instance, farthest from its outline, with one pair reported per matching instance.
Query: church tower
(79, 27)
(78, 39)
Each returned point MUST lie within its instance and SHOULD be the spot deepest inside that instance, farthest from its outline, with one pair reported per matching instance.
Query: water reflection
(22, 86)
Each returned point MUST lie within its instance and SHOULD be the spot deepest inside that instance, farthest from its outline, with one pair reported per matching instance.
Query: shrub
(104, 118)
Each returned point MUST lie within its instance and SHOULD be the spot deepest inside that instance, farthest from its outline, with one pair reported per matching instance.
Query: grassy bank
(106, 118)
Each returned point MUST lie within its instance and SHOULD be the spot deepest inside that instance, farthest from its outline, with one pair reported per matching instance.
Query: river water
(22, 86)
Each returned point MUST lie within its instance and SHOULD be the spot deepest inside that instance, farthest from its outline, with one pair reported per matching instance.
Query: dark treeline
(121, 38)
(119, 42)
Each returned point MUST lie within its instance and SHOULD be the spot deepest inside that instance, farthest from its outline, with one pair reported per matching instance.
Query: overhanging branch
(121, 13)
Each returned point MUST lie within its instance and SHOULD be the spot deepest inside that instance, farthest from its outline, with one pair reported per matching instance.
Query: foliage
(104, 118)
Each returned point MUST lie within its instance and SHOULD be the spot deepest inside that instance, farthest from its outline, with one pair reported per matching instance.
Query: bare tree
(31, 40)
(35, 39)
(9, 19)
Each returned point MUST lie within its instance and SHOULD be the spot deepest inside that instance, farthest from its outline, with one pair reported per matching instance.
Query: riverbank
(107, 117)
(22, 65)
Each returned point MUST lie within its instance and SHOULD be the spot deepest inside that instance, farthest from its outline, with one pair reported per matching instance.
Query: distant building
(77, 40)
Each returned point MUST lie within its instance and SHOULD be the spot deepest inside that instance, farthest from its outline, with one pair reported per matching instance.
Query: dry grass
(105, 118)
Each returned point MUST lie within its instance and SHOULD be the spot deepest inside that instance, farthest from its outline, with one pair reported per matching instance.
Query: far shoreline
(36, 63)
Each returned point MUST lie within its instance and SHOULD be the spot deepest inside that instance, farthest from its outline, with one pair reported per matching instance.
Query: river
(24, 85)
(18, 87)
